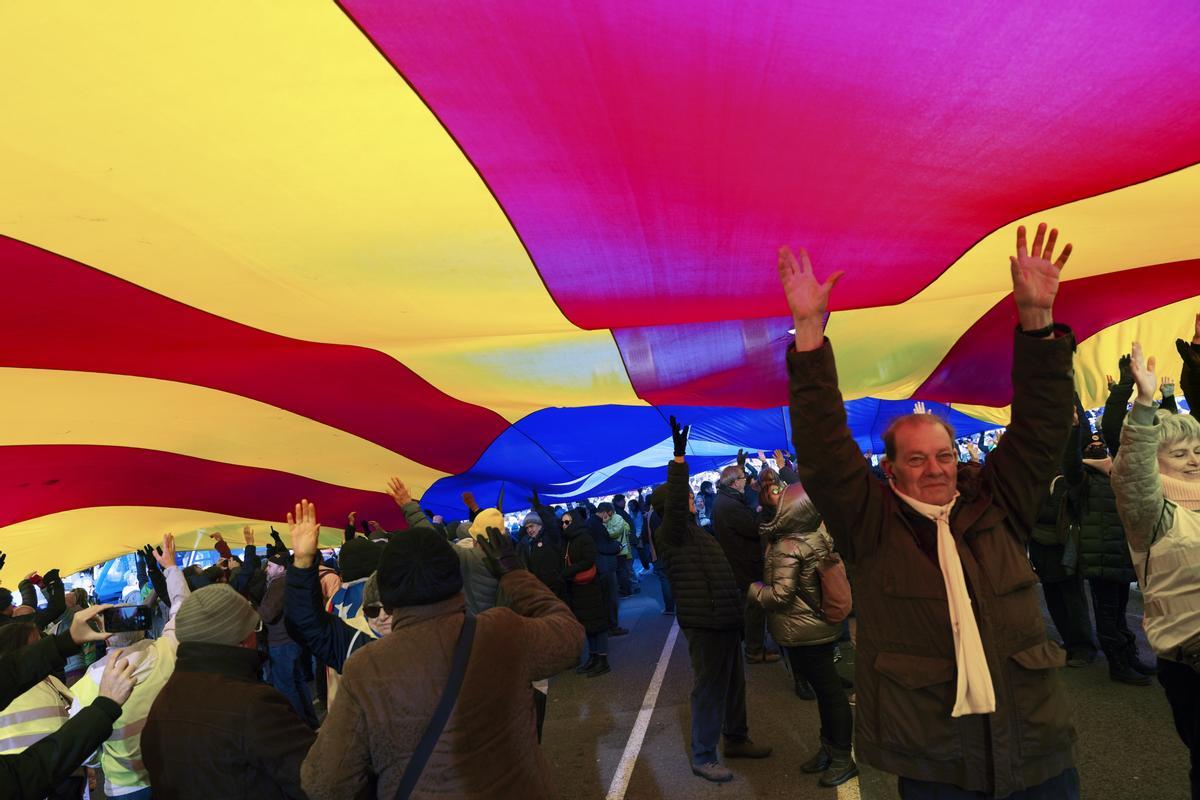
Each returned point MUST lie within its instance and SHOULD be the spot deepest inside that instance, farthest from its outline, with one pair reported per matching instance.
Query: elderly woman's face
(1180, 460)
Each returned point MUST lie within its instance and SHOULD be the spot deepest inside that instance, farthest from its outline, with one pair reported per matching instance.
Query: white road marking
(620, 781)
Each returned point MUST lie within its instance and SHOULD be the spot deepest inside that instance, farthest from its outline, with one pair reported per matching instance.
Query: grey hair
(730, 474)
(1174, 429)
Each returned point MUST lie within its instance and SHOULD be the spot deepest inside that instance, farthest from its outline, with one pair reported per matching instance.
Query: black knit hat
(358, 559)
(418, 567)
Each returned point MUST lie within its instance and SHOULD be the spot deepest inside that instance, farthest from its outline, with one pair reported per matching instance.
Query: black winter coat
(607, 548)
(736, 527)
(706, 594)
(586, 599)
(1103, 553)
(544, 558)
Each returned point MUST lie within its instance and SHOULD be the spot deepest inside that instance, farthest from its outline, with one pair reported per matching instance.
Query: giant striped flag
(253, 252)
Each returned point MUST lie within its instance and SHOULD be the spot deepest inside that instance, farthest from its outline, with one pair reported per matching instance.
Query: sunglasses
(371, 612)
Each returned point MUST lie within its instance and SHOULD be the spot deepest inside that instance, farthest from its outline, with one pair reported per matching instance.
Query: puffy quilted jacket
(791, 588)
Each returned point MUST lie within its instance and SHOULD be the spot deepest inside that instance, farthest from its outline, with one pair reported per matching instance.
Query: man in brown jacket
(488, 748)
(216, 730)
(957, 685)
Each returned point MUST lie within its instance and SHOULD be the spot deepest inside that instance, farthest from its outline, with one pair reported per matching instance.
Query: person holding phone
(152, 662)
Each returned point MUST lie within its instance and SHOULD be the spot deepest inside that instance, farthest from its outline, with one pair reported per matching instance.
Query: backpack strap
(458, 670)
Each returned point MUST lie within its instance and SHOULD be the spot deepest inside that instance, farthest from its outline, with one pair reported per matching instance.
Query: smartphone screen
(119, 619)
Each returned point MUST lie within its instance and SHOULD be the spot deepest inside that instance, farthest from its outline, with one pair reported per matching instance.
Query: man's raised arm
(829, 463)
(1021, 466)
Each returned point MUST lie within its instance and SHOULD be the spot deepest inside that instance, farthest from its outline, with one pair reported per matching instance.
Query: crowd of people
(430, 648)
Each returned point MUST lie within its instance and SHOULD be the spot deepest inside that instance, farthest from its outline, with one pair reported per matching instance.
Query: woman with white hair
(1156, 476)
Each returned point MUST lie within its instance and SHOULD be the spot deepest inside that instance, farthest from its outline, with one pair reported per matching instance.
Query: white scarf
(975, 693)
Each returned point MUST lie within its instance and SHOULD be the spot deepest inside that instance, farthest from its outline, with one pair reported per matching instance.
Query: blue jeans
(1064, 786)
(288, 677)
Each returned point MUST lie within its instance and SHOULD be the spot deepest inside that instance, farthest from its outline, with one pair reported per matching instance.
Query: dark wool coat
(906, 669)
(217, 731)
(736, 527)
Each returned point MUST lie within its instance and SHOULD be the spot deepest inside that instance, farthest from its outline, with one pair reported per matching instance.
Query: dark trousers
(608, 591)
(624, 575)
(597, 644)
(718, 691)
(1110, 600)
(756, 625)
(644, 555)
(664, 583)
(1068, 607)
(1064, 786)
(288, 677)
(1182, 685)
(814, 663)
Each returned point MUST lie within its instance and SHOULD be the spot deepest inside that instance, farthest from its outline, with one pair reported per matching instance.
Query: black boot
(600, 667)
(841, 768)
(819, 762)
(1135, 663)
(591, 662)
(1121, 671)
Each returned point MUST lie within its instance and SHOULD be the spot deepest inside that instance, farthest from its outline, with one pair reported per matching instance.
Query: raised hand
(1168, 386)
(248, 535)
(304, 529)
(498, 550)
(468, 499)
(1035, 277)
(780, 460)
(1109, 379)
(351, 518)
(375, 527)
(1123, 371)
(679, 438)
(166, 558)
(399, 492)
(807, 299)
(741, 458)
(919, 407)
(1143, 375)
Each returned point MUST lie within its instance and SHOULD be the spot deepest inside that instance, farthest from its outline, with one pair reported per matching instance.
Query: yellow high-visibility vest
(121, 754)
(34, 715)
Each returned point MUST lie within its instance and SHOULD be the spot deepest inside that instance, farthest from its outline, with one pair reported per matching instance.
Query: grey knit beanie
(216, 614)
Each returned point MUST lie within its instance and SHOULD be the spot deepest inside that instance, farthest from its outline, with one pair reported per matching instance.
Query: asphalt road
(1127, 745)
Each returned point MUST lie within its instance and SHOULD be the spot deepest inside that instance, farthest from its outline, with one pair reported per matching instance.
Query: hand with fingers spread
(165, 556)
(1035, 277)
(81, 631)
(399, 492)
(117, 681)
(1143, 375)
(919, 407)
(807, 299)
(499, 552)
(780, 459)
(305, 530)
(679, 439)
(1124, 373)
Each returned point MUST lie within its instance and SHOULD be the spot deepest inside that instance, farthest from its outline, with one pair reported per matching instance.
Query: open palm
(806, 298)
(302, 524)
(1035, 277)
